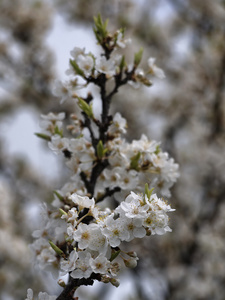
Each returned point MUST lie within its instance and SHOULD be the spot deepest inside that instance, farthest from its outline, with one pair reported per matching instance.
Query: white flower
(85, 63)
(83, 235)
(144, 145)
(41, 296)
(90, 236)
(119, 125)
(77, 51)
(138, 79)
(154, 70)
(168, 169)
(29, 294)
(134, 206)
(54, 117)
(61, 90)
(50, 121)
(100, 264)
(120, 41)
(70, 230)
(98, 241)
(66, 90)
(134, 228)
(46, 257)
(157, 222)
(58, 144)
(105, 66)
(83, 155)
(69, 264)
(128, 180)
(79, 146)
(156, 203)
(115, 231)
(82, 201)
(111, 177)
(72, 215)
(45, 296)
(83, 268)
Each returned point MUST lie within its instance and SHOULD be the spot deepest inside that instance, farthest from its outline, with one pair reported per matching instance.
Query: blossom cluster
(105, 203)
(41, 296)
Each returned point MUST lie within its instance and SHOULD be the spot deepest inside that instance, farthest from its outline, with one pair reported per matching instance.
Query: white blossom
(105, 66)
(58, 144)
(85, 63)
(76, 52)
(135, 228)
(115, 231)
(134, 206)
(41, 296)
(154, 70)
(62, 90)
(156, 203)
(118, 125)
(100, 264)
(86, 235)
(120, 41)
(83, 268)
(72, 215)
(51, 121)
(69, 264)
(82, 201)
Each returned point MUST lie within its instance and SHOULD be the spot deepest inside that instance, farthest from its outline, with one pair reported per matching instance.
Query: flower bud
(115, 282)
(130, 263)
(148, 232)
(132, 254)
(105, 279)
(61, 283)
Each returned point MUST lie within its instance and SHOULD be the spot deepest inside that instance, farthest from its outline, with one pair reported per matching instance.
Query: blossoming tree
(115, 191)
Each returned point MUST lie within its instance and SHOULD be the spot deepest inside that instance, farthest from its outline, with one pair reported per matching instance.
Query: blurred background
(186, 112)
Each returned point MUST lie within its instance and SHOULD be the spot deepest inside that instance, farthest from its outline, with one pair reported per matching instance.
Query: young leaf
(114, 254)
(87, 109)
(138, 57)
(43, 136)
(58, 195)
(134, 161)
(55, 248)
(100, 149)
(148, 192)
(76, 68)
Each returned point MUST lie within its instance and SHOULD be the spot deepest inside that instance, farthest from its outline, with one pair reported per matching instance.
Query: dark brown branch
(73, 284)
(87, 124)
(108, 193)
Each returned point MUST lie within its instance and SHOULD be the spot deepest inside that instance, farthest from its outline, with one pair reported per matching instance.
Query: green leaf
(87, 109)
(138, 57)
(101, 28)
(43, 136)
(76, 68)
(134, 163)
(59, 132)
(55, 248)
(148, 192)
(114, 255)
(62, 212)
(122, 63)
(100, 149)
(158, 150)
(58, 195)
